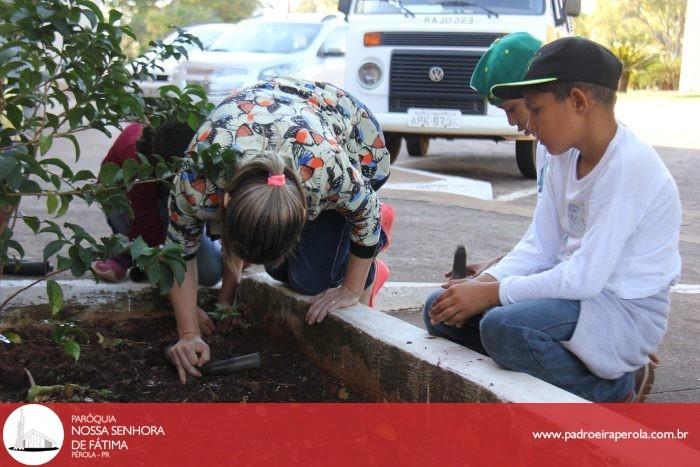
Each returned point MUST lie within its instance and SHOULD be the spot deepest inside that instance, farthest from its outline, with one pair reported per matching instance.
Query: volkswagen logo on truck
(436, 74)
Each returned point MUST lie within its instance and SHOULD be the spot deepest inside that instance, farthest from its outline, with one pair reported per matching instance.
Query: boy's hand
(462, 301)
(473, 270)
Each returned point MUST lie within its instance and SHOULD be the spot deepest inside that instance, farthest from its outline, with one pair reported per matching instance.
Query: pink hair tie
(276, 180)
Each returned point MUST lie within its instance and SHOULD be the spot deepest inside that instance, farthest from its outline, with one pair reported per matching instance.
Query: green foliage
(317, 6)
(650, 29)
(151, 20)
(63, 71)
(65, 333)
(108, 343)
(222, 312)
(663, 74)
(55, 294)
(634, 58)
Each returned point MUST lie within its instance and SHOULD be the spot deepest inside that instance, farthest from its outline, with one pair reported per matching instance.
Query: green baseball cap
(504, 62)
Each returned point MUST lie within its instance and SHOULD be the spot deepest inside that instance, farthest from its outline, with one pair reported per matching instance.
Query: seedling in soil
(222, 312)
(63, 334)
(108, 343)
(68, 391)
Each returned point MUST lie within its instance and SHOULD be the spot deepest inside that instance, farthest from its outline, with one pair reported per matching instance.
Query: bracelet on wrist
(196, 333)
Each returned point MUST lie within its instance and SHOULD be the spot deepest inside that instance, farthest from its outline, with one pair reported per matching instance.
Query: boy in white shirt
(582, 300)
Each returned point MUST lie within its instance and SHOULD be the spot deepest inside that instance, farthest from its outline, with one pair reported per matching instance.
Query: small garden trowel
(227, 366)
(459, 264)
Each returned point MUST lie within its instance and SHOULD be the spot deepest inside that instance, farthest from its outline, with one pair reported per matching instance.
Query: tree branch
(9, 299)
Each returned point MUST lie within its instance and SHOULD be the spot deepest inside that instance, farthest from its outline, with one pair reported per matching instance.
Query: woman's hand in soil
(328, 301)
(206, 324)
(187, 354)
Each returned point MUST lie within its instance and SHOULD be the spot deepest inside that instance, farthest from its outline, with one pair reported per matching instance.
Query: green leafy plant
(107, 342)
(67, 391)
(222, 312)
(634, 58)
(663, 74)
(65, 334)
(62, 71)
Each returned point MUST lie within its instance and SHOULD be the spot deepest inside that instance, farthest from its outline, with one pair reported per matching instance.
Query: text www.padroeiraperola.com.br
(611, 435)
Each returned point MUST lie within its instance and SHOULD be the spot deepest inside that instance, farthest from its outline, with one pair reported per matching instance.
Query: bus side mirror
(572, 8)
(344, 6)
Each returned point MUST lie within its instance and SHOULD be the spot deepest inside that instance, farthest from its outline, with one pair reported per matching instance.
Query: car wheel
(525, 156)
(393, 145)
(417, 146)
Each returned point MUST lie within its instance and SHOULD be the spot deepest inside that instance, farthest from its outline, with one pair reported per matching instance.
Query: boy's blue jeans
(527, 337)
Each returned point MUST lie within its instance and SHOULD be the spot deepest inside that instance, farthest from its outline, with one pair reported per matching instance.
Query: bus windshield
(433, 7)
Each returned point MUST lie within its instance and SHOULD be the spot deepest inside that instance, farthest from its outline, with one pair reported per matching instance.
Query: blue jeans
(527, 337)
(210, 266)
(318, 262)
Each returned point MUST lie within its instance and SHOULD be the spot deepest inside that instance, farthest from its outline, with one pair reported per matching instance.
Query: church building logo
(33, 434)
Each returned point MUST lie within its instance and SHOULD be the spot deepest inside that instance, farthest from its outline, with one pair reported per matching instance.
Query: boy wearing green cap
(583, 300)
(505, 62)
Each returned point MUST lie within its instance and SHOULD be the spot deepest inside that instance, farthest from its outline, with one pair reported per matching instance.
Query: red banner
(351, 434)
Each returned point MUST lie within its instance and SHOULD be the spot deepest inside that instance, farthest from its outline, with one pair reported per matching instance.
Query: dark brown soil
(136, 369)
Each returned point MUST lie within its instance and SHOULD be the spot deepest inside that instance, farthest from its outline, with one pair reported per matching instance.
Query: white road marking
(678, 288)
(445, 184)
(457, 185)
(686, 288)
(517, 194)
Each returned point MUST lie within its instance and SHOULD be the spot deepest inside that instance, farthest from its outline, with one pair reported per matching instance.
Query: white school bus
(411, 61)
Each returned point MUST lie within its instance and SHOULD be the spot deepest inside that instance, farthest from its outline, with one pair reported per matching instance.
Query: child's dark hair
(170, 139)
(262, 222)
(562, 89)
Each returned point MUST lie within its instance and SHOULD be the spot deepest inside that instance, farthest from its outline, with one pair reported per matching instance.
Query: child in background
(582, 301)
(149, 201)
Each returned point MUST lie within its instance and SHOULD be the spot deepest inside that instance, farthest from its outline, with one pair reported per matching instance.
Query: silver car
(206, 33)
(303, 45)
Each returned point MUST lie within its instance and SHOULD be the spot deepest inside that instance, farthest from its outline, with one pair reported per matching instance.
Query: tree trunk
(5, 216)
(624, 81)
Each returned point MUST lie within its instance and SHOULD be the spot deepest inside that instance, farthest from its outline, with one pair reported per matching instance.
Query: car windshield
(271, 38)
(433, 7)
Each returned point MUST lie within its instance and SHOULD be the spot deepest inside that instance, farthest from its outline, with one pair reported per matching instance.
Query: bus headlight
(369, 74)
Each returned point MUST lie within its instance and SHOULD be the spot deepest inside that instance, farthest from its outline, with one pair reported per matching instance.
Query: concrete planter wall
(372, 352)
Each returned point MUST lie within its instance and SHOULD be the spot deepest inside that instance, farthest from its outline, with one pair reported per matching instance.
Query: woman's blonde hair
(262, 221)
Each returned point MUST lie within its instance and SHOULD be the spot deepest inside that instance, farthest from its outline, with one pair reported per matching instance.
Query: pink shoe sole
(388, 214)
(380, 278)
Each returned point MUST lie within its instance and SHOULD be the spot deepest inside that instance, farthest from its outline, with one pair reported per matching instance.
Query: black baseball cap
(566, 59)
